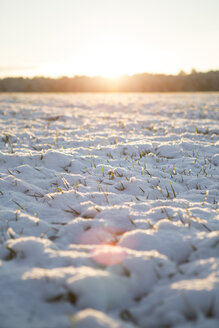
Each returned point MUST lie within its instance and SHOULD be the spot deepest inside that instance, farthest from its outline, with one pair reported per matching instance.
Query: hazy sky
(107, 37)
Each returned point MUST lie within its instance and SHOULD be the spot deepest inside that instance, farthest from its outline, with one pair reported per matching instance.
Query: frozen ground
(109, 211)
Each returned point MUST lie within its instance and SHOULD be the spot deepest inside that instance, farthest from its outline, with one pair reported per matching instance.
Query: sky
(107, 37)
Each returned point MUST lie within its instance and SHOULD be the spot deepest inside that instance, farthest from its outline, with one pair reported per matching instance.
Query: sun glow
(109, 60)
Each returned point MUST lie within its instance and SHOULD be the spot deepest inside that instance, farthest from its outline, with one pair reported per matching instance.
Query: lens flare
(108, 254)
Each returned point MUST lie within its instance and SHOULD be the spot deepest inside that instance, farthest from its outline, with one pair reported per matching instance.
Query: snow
(109, 210)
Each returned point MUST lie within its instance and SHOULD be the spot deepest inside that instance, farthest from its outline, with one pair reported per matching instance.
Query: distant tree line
(145, 82)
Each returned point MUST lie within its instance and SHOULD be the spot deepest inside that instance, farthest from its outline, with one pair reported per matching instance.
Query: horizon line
(181, 72)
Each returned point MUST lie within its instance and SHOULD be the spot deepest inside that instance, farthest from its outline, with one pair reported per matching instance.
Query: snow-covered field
(109, 210)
